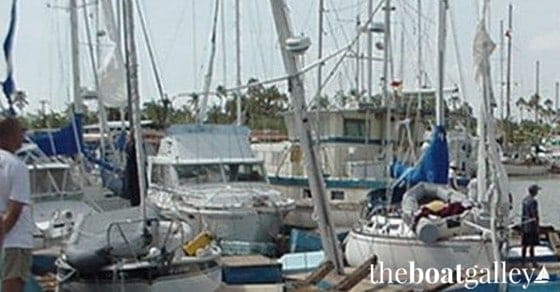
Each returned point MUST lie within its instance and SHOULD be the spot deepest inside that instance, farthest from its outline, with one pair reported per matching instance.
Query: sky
(180, 35)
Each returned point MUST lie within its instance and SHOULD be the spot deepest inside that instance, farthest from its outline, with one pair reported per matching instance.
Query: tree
(521, 104)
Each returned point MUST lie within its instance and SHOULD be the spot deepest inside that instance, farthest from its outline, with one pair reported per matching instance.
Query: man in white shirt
(15, 199)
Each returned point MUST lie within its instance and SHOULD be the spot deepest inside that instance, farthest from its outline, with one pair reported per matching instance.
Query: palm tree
(454, 101)
(521, 104)
(534, 105)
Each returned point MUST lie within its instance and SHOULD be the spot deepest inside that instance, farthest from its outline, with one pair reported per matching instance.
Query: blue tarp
(62, 141)
(433, 166)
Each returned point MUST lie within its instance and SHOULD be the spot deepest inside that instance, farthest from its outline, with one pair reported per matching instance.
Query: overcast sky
(180, 31)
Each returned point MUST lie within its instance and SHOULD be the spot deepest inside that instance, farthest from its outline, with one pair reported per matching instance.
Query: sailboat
(133, 249)
(438, 227)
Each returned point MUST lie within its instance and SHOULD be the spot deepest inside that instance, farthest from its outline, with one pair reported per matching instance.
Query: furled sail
(112, 75)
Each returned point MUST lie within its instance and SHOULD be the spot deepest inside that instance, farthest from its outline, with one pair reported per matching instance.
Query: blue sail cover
(65, 141)
(433, 166)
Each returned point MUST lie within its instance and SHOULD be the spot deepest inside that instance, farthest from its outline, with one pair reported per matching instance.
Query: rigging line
(349, 79)
(302, 71)
(424, 15)
(276, 79)
(358, 4)
(259, 32)
(174, 37)
(150, 51)
(463, 87)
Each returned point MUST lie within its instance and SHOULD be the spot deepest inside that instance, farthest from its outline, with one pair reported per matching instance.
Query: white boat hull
(525, 170)
(256, 225)
(397, 252)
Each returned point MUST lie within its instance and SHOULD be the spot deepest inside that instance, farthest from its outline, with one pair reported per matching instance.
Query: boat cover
(88, 249)
(206, 142)
(424, 193)
(65, 141)
(433, 166)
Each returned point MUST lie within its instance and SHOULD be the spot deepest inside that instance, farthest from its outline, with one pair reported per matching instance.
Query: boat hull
(250, 225)
(525, 170)
(207, 280)
(398, 252)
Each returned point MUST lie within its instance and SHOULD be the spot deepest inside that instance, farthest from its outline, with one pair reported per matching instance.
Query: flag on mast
(9, 86)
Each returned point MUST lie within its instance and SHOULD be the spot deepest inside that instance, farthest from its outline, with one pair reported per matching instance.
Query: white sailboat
(132, 249)
(474, 240)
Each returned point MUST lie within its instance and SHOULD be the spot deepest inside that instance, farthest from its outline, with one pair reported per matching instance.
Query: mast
(201, 113)
(442, 33)
(303, 125)
(103, 126)
(358, 61)
(238, 60)
(370, 53)
(386, 48)
(508, 65)
(420, 70)
(502, 69)
(134, 96)
(386, 98)
(320, 48)
(75, 56)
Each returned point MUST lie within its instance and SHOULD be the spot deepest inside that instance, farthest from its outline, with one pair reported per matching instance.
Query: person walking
(530, 224)
(15, 200)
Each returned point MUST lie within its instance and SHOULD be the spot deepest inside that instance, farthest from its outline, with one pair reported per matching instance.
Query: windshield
(173, 175)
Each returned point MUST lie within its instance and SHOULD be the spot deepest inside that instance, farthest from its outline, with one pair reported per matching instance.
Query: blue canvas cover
(65, 141)
(433, 166)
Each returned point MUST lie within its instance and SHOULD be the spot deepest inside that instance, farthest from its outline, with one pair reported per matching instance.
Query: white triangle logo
(543, 276)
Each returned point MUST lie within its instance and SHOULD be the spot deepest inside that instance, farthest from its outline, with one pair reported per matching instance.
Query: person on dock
(453, 175)
(530, 224)
(15, 200)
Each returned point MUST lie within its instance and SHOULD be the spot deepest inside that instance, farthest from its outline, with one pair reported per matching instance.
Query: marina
(357, 156)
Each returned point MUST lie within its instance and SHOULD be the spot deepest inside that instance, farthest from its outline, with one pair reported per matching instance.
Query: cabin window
(306, 194)
(244, 172)
(354, 127)
(337, 195)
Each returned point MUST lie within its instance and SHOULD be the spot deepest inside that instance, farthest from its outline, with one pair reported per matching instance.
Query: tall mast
(224, 45)
(358, 61)
(134, 96)
(238, 60)
(370, 52)
(202, 111)
(303, 125)
(386, 50)
(386, 98)
(508, 66)
(320, 48)
(420, 70)
(442, 33)
(75, 56)
(502, 69)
